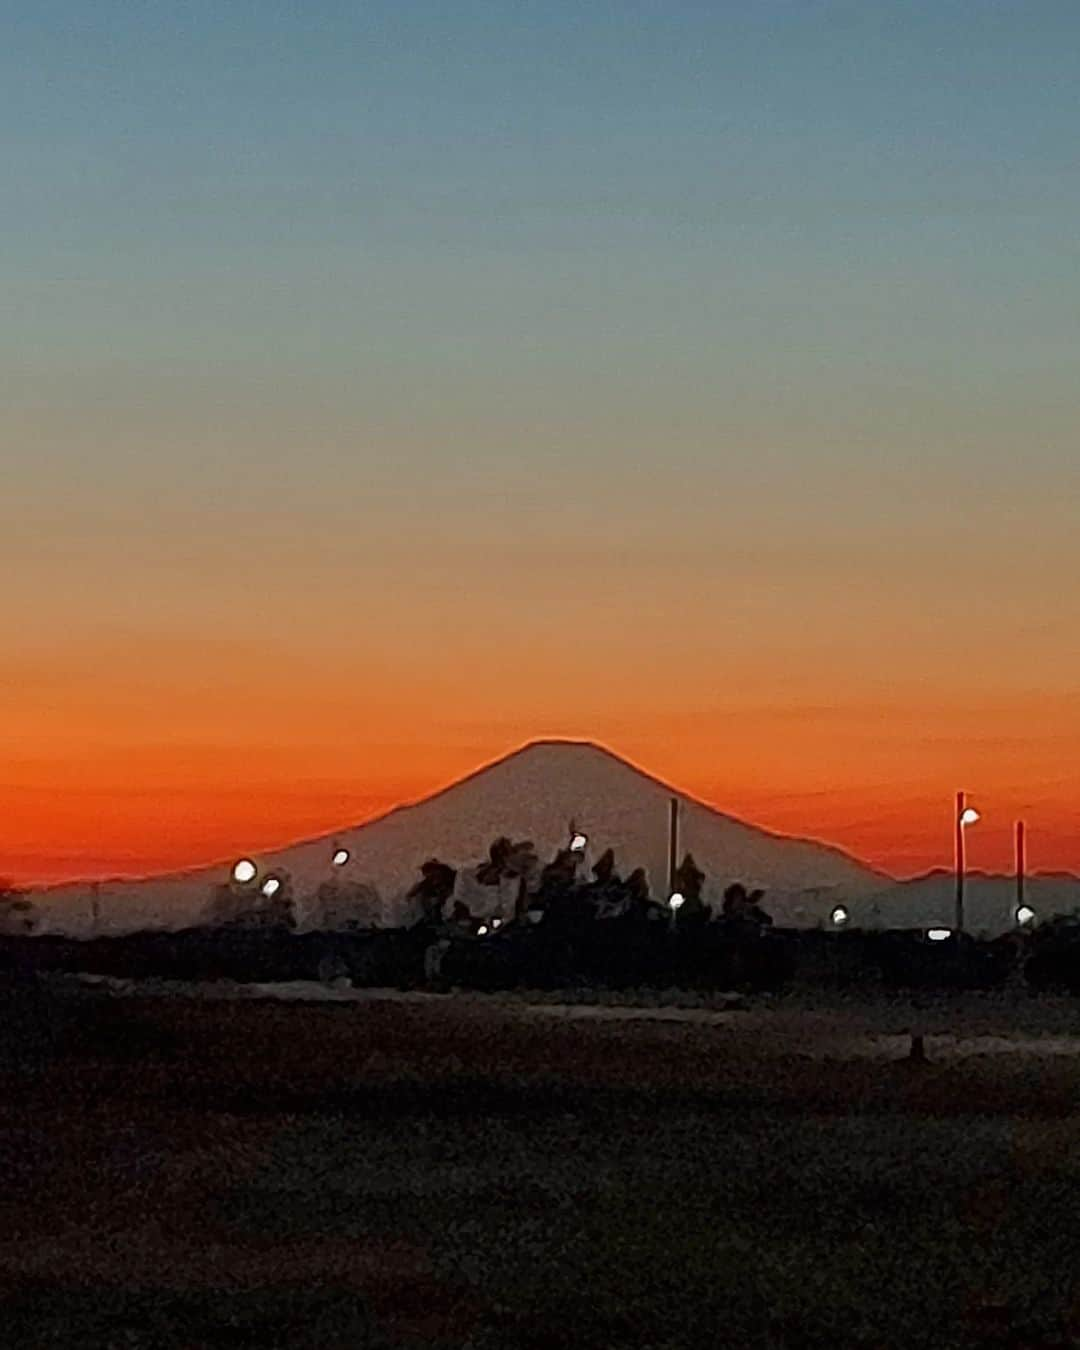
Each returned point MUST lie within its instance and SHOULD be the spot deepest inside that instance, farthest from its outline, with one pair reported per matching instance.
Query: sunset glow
(121, 760)
(701, 382)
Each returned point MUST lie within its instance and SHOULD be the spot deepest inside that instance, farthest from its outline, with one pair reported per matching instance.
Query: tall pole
(673, 845)
(1021, 863)
(960, 808)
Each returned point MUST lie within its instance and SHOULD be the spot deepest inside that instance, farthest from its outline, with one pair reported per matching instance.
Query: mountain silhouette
(534, 793)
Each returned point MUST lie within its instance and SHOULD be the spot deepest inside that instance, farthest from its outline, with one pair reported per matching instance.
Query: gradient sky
(385, 384)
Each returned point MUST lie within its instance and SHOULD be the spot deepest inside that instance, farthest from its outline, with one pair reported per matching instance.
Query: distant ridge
(979, 873)
(990, 901)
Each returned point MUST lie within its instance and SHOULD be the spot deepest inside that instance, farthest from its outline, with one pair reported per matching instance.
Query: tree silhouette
(490, 873)
(606, 893)
(744, 909)
(277, 910)
(604, 868)
(236, 904)
(689, 880)
(754, 911)
(509, 861)
(435, 887)
(558, 877)
(637, 886)
(343, 906)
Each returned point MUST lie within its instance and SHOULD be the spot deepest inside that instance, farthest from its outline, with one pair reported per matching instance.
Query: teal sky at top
(708, 257)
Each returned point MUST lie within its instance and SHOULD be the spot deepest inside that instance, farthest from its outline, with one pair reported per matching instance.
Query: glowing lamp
(939, 934)
(1025, 914)
(341, 857)
(244, 871)
(969, 816)
(578, 843)
(839, 916)
(271, 886)
(496, 923)
(677, 901)
(482, 930)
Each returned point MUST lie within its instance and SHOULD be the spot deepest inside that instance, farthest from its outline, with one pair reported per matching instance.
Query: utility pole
(673, 845)
(960, 861)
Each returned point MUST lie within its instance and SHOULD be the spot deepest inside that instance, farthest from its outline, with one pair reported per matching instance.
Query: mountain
(533, 793)
(990, 901)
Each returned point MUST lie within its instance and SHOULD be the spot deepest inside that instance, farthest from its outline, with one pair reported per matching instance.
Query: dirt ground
(475, 1172)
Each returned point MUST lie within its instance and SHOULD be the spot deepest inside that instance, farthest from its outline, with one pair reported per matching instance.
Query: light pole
(965, 816)
(1021, 864)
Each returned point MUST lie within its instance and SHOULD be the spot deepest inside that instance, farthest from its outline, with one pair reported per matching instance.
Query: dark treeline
(548, 926)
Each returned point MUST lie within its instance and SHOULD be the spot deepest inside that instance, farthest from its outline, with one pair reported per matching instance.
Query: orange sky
(185, 684)
(701, 381)
(135, 756)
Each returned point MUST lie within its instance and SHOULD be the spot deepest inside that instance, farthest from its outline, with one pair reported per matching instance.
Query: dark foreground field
(460, 1173)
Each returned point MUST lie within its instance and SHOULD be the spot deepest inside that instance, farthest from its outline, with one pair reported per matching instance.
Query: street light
(270, 887)
(939, 934)
(341, 857)
(966, 816)
(1024, 915)
(244, 870)
(839, 916)
(578, 843)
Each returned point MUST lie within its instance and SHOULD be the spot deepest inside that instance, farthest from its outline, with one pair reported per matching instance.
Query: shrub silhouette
(18, 915)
